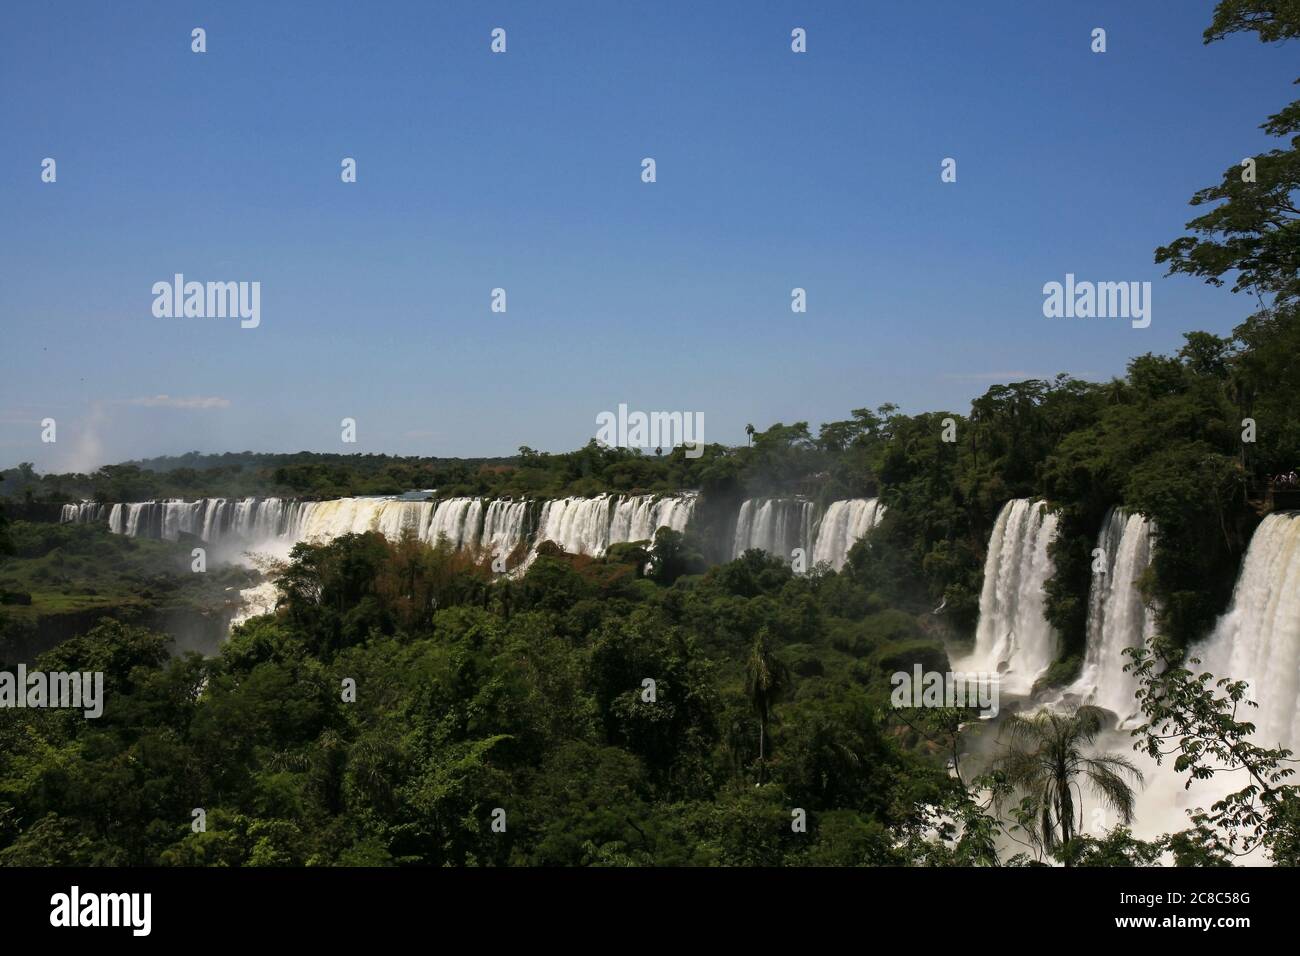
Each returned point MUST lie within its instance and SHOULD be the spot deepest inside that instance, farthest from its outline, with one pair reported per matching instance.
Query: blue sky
(522, 171)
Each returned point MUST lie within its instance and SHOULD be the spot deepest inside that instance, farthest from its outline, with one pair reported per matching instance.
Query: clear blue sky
(522, 170)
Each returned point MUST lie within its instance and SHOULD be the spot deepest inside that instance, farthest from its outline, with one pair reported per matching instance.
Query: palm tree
(749, 430)
(766, 682)
(1047, 754)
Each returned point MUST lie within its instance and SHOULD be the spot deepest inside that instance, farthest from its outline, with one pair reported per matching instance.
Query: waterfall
(1258, 639)
(776, 525)
(456, 521)
(256, 601)
(139, 520)
(591, 525)
(578, 525)
(1013, 637)
(208, 518)
(84, 512)
(320, 521)
(843, 525)
(504, 527)
(1118, 618)
(638, 517)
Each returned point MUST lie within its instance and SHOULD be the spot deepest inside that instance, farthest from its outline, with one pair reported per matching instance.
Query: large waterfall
(779, 525)
(843, 525)
(212, 519)
(591, 525)
(1118, 618)
(578, 525)
(776, 525)
(1258, 640)
(275, 523)
(638, 518)
(498, 527)
(1013, 637)
(505, 527)
(84, 512)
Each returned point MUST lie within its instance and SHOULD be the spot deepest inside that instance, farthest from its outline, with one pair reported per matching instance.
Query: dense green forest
(402, 706)
(402, 694)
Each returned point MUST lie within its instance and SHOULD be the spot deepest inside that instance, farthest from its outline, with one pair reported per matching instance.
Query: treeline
(589, 470)
(401, 702)
(404, 706)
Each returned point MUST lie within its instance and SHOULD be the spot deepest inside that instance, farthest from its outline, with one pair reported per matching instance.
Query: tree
(1192, 715)
(1253, 228)
(673, 555)
(1044, 760)
(767, 681)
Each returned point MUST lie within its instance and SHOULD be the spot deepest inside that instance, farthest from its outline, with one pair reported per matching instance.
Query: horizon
(818, 171)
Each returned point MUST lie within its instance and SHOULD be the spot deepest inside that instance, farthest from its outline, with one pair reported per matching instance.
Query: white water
(84, 512)
(844, 524)
(578, 525)
(212, 519)
(639, 518)
(504, 527)
(590, 525)
(1258, 640)
(499, 527)
(1118, 618)
(257, 601)
(776, 525)
(1013, 637)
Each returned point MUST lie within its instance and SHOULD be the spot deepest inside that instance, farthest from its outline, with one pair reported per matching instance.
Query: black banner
(330, 905)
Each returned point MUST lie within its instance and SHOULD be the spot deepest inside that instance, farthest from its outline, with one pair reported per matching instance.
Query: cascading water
(1258, 640)
(579, 525)
(258, 600)
(1013, 637)
(591, 525)
(319, 521)
(776, 525)
(84, 512)
(457, 522)
(505, 526)
(211, 519)
(843, 525)
(637, 518)
(1118, 618)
